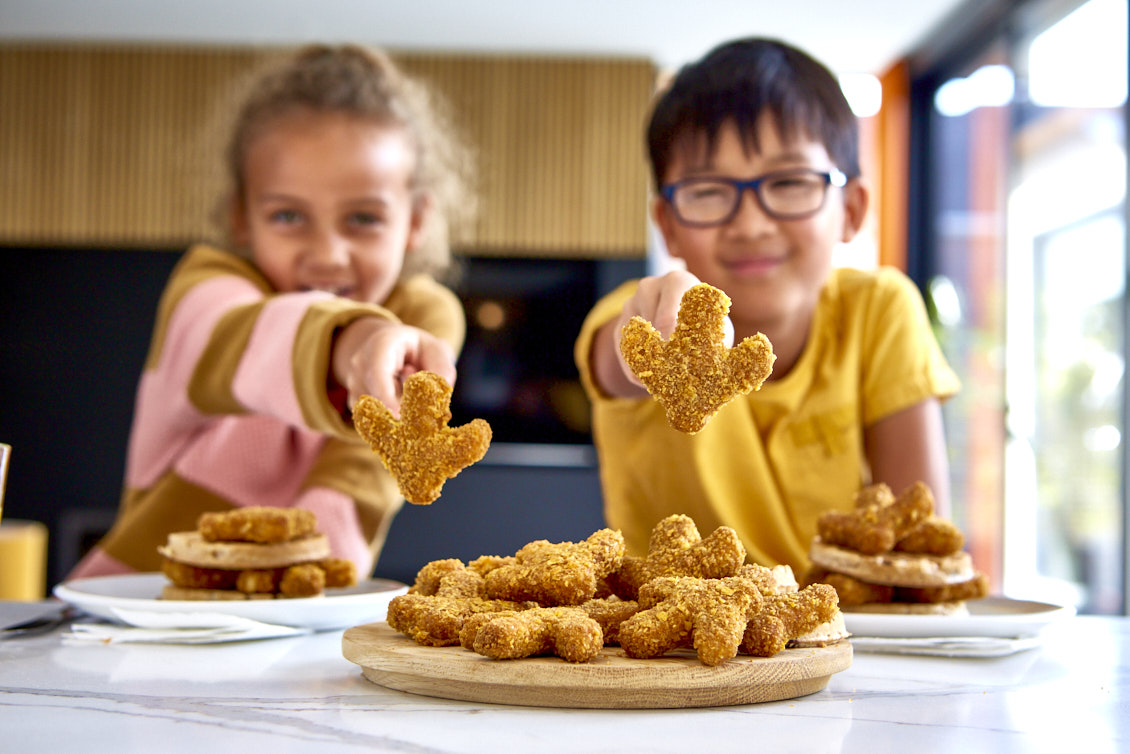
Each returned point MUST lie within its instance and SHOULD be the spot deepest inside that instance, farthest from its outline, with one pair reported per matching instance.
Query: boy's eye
(799, 182)
(707, 192)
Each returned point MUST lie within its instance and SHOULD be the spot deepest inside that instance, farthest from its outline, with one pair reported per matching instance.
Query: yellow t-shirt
(769, 463)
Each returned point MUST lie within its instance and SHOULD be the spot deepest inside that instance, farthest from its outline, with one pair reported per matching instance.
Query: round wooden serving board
(610, 681)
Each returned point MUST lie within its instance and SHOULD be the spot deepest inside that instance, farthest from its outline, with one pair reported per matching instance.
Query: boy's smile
(773, 269)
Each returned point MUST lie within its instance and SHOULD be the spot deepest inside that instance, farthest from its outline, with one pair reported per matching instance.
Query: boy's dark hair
(738, 82)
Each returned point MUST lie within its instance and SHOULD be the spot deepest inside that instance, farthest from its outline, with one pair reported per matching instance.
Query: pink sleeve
(264, 381)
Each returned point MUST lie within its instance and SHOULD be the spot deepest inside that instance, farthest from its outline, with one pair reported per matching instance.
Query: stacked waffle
(252, 553)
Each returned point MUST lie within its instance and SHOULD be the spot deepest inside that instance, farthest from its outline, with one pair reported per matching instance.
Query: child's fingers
(434, 355)
(728, 329)
(662, 298)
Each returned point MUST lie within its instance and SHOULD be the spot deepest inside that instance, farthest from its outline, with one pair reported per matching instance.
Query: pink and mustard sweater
(233, 409)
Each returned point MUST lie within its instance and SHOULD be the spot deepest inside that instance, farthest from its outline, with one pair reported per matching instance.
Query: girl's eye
(285, 217)
(363, 219)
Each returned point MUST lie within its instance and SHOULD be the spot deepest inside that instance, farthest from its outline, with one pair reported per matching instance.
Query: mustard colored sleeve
(313, 349)
(605, 310)
(905, 364)
(422, 302)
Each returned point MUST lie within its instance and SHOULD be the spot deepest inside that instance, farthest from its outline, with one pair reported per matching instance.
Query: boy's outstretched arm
(910, 446)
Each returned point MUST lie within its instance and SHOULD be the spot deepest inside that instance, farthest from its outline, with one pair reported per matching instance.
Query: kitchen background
(994, 136)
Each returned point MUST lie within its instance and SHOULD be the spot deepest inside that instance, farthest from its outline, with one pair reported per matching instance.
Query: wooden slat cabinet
(120, 146)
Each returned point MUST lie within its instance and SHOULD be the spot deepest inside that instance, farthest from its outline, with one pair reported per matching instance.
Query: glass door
(1025, 197)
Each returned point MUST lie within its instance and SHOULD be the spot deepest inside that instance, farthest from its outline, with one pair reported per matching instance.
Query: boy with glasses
(754, 151)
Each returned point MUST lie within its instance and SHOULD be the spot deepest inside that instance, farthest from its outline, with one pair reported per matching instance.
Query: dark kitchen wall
(75, 327)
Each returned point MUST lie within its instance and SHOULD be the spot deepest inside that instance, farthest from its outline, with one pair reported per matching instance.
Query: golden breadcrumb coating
(484, 564)
(932, 536)
(432, 574)
(709, 615)
(567, 632)
(194, 577)
(303, 580)
(677, 549)
(564, 573)
(340, 572)
(420, 450)
(797, 612)
(874, 526)
(974, 589)
(259, 581)
(262, 524)
(609, 613)
(436, 621)
(852, 591)
(693, 374)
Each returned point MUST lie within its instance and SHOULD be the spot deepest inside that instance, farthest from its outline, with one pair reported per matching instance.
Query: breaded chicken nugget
(436, 621)
(609, 613)
(708, 614)
(567, 632)
(193, 577)
(303, 580)
(677, 549)
(852, 591)
(783, 616)
(974, 589)
(340, 573)
(932, 536)
(553, 574)
(259, 581)
(432, 574)
(694, 374)
(262, 524)
(873, 528)
(420, 450)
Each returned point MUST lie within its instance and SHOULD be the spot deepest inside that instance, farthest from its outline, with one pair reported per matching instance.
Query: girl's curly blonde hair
(366, 84)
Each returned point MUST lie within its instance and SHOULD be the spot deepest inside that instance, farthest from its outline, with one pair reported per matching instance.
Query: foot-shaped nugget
(567, 632)
(878, 521)
(420, 450)
(677, 549)
(693, 374)
(677, 611)
(565, 573)
(435, 621)
(786, 615)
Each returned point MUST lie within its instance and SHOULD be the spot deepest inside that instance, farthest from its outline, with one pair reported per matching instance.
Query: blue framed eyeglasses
(783, 195)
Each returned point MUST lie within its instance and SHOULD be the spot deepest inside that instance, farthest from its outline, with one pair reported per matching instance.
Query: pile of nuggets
(572, 599)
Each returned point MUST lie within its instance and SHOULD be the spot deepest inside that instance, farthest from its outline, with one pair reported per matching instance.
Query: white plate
(992, 616)
(339, 608)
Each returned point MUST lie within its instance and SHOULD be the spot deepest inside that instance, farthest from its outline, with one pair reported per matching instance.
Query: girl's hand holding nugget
(373, 356)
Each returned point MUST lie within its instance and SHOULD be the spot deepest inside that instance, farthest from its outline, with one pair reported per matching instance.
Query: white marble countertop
(1072, 694)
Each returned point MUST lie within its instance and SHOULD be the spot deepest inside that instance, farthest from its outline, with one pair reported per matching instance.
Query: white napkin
(946, 646)
(176, 628)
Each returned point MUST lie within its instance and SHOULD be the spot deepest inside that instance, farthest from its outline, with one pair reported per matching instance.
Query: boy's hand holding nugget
(693, 374)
